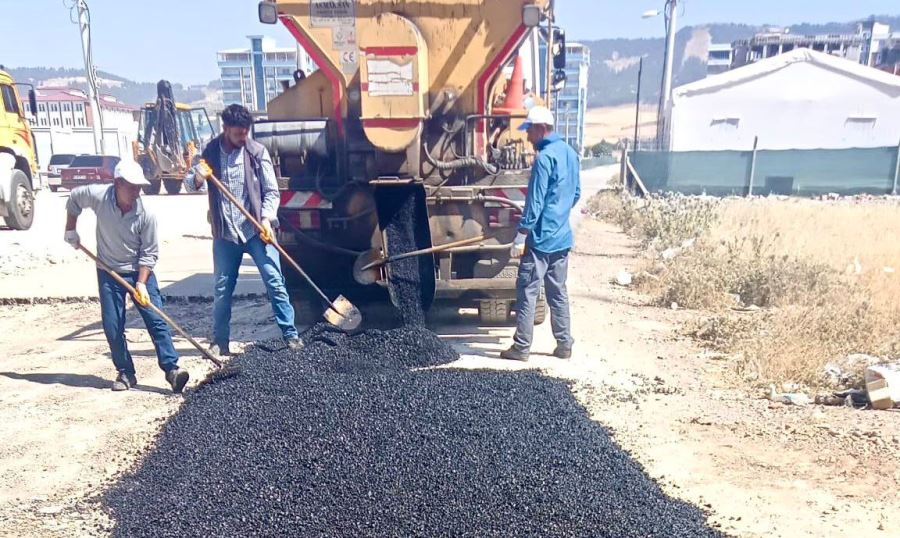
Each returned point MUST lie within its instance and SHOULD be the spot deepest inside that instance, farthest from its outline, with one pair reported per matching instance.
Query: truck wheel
(153, 187)
(540, 308)
(20, 207)
(494, 311)
(54, 188)
(173, 186)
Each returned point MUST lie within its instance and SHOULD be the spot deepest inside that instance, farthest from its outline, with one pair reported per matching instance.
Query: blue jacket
(554, 188)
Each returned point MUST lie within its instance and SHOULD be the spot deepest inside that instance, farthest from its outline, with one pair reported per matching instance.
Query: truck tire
(540, 308)
(20, 207)
(153, 187)
(494, 311)
(54, 188)
(173, 186)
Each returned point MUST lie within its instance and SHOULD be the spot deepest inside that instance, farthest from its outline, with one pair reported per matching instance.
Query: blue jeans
(112, 311)
(227, 258)
(551, 270)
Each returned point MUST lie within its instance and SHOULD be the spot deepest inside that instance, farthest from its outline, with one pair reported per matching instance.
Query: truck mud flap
(403, 219)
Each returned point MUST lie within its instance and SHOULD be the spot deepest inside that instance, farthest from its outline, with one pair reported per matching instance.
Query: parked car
(88, 169)
(58, 162)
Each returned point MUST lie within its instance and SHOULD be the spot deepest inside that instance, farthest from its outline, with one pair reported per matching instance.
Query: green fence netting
(790, 172)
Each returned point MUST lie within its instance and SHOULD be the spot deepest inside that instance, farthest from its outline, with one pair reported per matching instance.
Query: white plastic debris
(883, 386)
(624, 278)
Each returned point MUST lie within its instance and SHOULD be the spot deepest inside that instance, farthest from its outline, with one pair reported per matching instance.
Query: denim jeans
(227, 258)
(551, 270)
(112, 311)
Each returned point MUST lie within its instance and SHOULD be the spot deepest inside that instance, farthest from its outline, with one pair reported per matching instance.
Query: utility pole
(549, 78)
(637, 104)
(665, 109)
(84, 23)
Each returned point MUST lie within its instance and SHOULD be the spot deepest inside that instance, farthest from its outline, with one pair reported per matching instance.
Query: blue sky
(177, 39)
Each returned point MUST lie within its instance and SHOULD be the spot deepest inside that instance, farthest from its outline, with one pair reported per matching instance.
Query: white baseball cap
(131, 172)
(539, 115)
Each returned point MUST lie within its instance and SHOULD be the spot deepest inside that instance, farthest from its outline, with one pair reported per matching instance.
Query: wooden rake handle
(424, 251)
(227, 193)
(118, 278)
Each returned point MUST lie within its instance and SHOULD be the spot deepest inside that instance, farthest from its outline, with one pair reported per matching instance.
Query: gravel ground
(348, 438)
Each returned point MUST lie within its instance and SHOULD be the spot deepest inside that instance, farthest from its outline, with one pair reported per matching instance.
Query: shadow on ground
(75, 381)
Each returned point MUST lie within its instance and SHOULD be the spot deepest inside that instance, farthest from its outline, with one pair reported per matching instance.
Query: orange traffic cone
(514, 100)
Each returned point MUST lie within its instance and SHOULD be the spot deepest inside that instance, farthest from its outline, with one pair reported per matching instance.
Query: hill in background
(127, 91)
(614, 62)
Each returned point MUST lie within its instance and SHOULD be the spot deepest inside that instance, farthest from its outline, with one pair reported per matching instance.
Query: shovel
(226, 372)
(341, 312)
(366, 269)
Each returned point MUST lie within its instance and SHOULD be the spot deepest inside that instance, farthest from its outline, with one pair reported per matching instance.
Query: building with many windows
(719, 59)
(63, 123)
(67, 108)
(872, 45)
(252, 77)
(570, 104)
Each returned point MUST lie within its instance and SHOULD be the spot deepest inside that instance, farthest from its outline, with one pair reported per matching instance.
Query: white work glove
(141, 295)
(72, 238)
(518, 247)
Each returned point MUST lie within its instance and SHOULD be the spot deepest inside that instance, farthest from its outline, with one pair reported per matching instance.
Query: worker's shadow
(76, 381)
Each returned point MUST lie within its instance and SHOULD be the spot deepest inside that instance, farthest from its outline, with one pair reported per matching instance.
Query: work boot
(294, 343)
(513, 354)
(563, 352)
(220, 350)
(124, 382)
(177, 378)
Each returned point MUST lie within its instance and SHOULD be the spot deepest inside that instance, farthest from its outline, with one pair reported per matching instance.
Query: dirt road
(760, 468)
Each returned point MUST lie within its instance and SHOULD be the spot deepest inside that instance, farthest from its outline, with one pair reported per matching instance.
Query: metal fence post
(752, 166)
(896, 171)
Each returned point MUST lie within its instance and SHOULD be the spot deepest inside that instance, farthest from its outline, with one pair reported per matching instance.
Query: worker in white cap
(545, 236)
(127, 242)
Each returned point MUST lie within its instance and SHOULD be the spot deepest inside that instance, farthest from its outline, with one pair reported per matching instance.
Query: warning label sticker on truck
(331, 13)
(389, 78)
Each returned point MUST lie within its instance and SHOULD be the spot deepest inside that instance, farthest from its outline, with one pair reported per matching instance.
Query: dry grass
(821, 271)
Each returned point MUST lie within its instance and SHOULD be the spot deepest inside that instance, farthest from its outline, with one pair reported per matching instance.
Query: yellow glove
(141, 295)
(203, 169)
(267, 234)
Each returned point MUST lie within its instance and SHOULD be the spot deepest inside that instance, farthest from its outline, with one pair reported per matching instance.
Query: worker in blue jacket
(545, 236)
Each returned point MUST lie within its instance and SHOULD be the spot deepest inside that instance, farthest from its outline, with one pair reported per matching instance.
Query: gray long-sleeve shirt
(237, 228)
(124, 242)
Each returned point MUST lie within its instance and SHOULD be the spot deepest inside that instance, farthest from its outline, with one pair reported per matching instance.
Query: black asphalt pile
(343, 438)
(405, 222)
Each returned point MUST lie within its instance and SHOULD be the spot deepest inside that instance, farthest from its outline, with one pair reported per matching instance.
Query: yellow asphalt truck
(410, 96)
(18, 156)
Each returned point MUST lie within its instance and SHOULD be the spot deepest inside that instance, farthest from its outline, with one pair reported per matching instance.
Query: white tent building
(801, 99)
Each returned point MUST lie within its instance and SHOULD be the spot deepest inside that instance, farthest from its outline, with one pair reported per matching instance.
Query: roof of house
(50, 94)
(781, 61)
